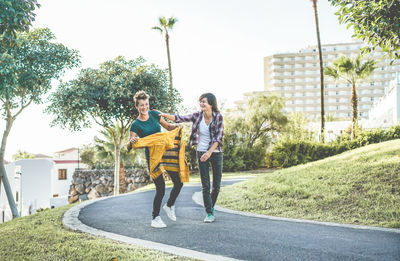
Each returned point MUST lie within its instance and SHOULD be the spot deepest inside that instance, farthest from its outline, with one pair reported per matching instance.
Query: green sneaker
(209, 218)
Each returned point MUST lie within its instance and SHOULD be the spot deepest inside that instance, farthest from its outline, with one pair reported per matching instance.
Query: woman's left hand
(205, 156)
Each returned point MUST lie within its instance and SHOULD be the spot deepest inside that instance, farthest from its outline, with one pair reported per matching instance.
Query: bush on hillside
(288, 153)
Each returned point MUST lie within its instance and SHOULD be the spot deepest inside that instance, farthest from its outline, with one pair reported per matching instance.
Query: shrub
(293, 152)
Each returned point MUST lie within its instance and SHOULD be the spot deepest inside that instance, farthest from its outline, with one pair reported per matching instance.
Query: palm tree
(22, 155)
(105, 153)
(164, 26)
(321, 69)
(351, 71)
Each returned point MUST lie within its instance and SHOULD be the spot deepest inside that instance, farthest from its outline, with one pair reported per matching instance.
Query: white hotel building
(296, 77)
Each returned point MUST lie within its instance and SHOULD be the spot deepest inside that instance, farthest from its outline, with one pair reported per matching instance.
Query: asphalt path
(236, 236)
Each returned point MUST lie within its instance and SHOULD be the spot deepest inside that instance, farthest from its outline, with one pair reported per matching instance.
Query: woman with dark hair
(149, 122)
(207, 134)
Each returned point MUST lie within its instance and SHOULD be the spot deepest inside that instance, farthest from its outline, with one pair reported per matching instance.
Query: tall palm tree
(351, 71)
(163, 27)
(321, 69)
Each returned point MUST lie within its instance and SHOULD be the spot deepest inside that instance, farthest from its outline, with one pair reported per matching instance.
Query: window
(62, 174)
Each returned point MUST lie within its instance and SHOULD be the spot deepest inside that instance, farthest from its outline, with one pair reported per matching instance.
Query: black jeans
(160, 191)
(215, 160)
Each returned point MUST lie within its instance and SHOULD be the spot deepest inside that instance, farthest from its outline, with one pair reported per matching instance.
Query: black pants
(215, 160)
(160, 191)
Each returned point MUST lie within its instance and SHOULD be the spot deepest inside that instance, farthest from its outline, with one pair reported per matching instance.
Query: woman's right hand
(133, 139)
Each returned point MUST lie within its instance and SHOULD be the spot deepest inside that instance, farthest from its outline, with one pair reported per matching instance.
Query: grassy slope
(43, 237)
(358, 187)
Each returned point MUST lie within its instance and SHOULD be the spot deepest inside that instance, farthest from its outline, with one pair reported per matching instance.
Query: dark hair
(140, 95)
(211, 100)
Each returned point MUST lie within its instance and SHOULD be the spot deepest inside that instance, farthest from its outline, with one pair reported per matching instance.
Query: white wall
(36, 185)
(61, 187)
(386, 112)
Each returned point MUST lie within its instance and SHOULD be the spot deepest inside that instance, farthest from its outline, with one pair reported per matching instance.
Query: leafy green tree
(321, 71)
(376, 22)
(249, 131)
(25, 76)
(88, 156)
(22, 155)
(105, 96)
(296, 129)
(163, 27)
(15, 15)
(351, 71)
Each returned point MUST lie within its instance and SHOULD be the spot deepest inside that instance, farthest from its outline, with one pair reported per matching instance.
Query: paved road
(235, 236)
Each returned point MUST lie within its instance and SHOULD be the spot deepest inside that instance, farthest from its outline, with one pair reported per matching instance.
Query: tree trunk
(3, 173)
(354, 104)
(122, 182)
(169, 63)
(116, 169)
(321, 68)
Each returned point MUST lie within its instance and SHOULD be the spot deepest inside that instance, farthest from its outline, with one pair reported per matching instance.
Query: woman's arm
(167, 125)
(168, 116)
(208, 153)
(178, 118)
(133, 137)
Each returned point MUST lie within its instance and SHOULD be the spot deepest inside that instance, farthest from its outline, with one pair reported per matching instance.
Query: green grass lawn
(43, 237)
(356, 187)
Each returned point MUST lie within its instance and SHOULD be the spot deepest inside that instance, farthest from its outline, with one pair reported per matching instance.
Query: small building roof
(42, 156)
(67, 150)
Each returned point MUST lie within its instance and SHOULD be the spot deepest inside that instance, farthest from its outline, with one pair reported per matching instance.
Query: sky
(216, 46)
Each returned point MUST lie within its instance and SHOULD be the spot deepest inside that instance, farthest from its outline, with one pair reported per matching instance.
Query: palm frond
(158, 28)
(171, 22)
(163, 21)
(332, 71)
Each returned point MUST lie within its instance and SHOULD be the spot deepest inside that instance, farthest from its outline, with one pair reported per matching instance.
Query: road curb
(198, 199)
(71, 221)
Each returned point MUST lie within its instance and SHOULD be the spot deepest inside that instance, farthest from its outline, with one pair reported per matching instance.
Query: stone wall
(90, 184)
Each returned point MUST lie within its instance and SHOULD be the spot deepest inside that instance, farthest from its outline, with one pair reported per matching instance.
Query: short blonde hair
(140, 95)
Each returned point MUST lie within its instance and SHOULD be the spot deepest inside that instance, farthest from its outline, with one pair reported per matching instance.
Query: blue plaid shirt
(216, 127)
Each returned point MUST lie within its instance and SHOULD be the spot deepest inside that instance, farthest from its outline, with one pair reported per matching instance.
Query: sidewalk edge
(197, 198)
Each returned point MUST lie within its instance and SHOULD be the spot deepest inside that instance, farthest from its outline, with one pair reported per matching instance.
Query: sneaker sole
(158, 227)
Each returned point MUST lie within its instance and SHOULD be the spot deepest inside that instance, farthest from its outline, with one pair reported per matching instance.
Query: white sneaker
(158, 223)
(170, 212)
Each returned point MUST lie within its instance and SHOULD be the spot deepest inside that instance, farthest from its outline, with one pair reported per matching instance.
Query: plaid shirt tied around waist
(216, 127)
